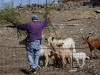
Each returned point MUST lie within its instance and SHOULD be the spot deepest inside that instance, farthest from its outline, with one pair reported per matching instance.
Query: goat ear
(62, 43)
(51, 52)
(56, 44)
(46, 39)
(88, 37)
(82, 37)
(52, 38)
(59, 38)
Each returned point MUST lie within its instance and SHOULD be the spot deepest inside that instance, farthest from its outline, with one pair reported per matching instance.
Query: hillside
(76, 23)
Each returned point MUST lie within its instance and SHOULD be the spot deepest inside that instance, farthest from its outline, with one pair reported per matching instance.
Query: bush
(8, 14)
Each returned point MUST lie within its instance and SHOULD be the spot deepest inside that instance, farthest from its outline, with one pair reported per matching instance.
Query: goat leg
(83, 63)
(95, 53)
(46, 62)
(39, 67)
(91, 54)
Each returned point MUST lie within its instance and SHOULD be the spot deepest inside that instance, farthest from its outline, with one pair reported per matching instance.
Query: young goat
(80, 56)
(56, 59)
(44, 55)
(93, 44)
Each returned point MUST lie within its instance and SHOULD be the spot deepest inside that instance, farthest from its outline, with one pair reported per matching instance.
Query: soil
(75, 23)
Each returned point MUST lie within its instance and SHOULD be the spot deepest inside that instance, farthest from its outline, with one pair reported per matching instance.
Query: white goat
(80, 56)
(44, 55)
(68, 43)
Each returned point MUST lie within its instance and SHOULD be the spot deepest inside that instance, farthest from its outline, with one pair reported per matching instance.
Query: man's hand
(48, 16)
(14, 23)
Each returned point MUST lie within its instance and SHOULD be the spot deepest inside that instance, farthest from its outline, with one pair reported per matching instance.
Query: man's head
(34, 17)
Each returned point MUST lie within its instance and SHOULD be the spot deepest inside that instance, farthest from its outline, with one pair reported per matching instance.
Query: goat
(93, 44)
(56, 59)
(65, 55)
(68, 43)
(62, 55)
(44, 55)
(80, 56)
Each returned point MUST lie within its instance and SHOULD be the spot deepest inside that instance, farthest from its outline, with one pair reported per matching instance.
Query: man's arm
(20, 26)
(46, 21)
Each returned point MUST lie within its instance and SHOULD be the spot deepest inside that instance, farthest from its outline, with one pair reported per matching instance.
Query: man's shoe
(32, 70)
(35, 70)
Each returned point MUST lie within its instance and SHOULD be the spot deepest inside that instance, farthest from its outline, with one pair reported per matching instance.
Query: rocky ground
(76, 23)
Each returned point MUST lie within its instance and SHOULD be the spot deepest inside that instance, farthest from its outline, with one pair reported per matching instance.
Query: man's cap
(34, 16)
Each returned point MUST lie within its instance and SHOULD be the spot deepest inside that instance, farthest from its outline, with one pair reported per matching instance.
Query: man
(34, 35)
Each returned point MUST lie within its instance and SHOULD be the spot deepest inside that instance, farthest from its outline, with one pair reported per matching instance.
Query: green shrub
(8, 14)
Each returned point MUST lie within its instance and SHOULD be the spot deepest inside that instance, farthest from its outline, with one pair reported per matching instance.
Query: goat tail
(87, 57)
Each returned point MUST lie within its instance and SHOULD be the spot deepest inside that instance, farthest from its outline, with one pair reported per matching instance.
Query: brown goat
(60, 56)
(56, 59)
(93, 44)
